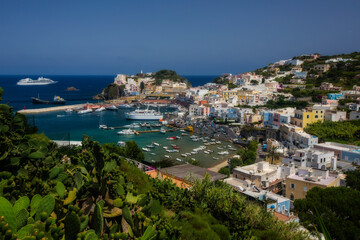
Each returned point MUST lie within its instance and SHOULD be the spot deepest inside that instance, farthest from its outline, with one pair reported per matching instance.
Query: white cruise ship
(39, 81)
(144, 114)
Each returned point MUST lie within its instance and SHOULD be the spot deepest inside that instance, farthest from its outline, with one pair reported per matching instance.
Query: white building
(310, 157)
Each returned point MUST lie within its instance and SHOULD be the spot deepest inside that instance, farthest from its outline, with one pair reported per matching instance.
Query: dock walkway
(50, 109)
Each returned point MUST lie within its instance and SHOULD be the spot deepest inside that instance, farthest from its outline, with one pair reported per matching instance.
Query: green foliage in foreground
(337, 207)
(342, 132)
(353, 179)
(93, 192)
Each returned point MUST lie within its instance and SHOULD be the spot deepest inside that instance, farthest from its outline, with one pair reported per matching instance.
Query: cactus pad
(47, 205)
(71, 197)
(7, 211)
(35, 201)
(21, 203)
(98, 220)
(60, 189)
(72, 226)
(21, 218)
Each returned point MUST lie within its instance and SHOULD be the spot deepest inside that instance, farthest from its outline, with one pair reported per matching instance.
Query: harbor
(51, 109)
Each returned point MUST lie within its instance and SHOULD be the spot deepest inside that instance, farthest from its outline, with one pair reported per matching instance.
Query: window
(305, 189)
(320, 111)
(307, 116)
(292, 186)
(316, 111)
(292, 197)
(316, 116)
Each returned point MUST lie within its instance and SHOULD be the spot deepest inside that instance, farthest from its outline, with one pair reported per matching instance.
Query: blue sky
(189, 36)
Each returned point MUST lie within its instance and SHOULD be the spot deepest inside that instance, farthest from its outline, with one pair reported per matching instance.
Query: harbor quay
(51, 109)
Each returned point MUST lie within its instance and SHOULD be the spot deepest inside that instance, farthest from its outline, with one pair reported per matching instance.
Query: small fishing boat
(153, 154)
(184, 155)
(163, 130)
(69, 110)
(150, 146)
(102, 126)
(146, 149)
(126, 132)
(156, 144)
(216, 158)
(178, 159)
(176, 147)
(206, 152)
(184, 134)
(167, 156)
(218, 142)
(182, 130)
(165, 147)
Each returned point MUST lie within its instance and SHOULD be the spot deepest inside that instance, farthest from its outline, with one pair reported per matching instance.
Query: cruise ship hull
(39, 101)
(34, 84)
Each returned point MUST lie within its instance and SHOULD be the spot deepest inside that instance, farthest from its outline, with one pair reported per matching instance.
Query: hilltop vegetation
(94, 192)
(168, 74)
(343, 132)
(112, 91)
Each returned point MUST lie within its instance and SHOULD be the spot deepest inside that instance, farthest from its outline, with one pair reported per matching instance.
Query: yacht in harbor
(144, 114)
(39, 81)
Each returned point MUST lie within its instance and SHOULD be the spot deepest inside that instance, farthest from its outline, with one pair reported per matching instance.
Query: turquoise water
(61, 125)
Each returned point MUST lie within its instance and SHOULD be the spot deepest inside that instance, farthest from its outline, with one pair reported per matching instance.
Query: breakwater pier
(50, 109)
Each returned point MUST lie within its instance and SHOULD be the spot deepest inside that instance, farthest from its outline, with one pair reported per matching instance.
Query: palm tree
(273, 154)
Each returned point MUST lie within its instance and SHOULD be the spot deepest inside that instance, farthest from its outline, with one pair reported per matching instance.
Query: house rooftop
(259, 168)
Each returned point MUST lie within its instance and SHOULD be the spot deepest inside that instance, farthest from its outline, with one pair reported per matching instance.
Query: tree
(133, 151)
(338, 207)
(353, 179)
(142, 86)
(273, 154)
(254, 82)
(225, 171)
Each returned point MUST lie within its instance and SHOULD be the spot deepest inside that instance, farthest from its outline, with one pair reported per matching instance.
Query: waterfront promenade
(50, 109)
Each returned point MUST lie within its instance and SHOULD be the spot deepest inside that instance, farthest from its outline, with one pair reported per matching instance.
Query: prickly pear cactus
(60, 189)
(46, 205)
(35, 201)
(7, 211)
(21, 218)
(127, 215)
(71, 197)
(72, 226)
(98, 220)
(21, 203)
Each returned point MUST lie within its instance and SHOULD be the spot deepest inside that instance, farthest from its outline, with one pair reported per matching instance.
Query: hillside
(95, 192)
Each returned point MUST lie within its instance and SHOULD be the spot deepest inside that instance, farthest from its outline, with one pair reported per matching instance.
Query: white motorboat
(167, 156)
(156, 144)
(183, 155)
(69, 110)
(112, 108)
(39, 81)
(100, 109)
(146, 149)
(178, 159)
(102, 126)
(206, 152)
(126, 132)
(163, 130)
(85, 111)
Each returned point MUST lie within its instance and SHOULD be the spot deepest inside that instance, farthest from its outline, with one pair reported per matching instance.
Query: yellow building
(243, 96)
(298, 184)
(303, 118)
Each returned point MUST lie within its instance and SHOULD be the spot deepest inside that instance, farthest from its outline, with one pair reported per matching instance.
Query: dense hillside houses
(286, 109)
